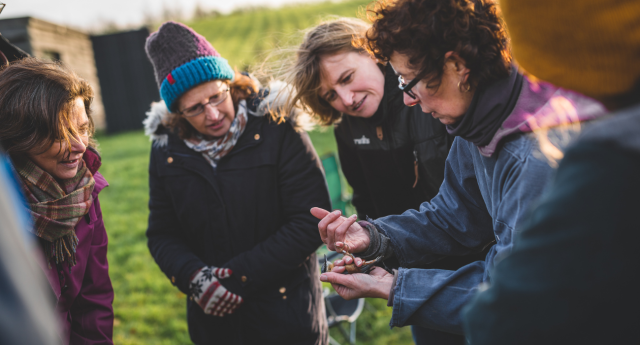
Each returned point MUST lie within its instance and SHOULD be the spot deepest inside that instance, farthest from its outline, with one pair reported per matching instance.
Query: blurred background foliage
(148, 309)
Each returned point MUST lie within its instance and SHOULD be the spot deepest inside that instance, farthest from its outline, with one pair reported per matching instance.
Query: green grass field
(244, 37)
(148, 309)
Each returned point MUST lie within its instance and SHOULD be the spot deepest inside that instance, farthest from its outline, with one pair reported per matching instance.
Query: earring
(466, 89)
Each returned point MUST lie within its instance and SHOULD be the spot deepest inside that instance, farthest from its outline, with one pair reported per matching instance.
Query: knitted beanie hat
(590, 46)
(183, 59)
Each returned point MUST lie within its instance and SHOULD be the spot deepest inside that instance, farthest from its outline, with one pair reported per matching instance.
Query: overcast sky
(90, 14)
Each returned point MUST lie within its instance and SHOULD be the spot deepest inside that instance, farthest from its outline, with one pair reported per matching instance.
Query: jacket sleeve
(454, 222)
(352, 170)
(572, 274)
(434, 298)
(92, 311)
(165, 240)
(302, 186)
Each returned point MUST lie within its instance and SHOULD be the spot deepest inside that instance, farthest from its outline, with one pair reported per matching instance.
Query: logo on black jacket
(362, 141)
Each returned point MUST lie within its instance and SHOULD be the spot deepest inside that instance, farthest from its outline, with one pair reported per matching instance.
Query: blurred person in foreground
(26, 314)
(453, 60)
(393, 155)
(230, 192)
(573, 275)
(45, 111)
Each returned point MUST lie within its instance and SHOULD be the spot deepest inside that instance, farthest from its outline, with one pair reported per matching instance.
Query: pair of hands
(335, 231)
(211, 296)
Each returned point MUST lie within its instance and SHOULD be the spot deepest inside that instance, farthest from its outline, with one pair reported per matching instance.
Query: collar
(490, 106)
(541, 106)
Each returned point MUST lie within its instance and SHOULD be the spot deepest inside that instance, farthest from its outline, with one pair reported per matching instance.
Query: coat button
(173, 280)
(284, 297)
(170, 160)
(244, 279)
(283, 290)
(256, 137)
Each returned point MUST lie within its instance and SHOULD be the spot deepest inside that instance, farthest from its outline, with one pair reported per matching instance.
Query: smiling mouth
(216, 124)
(71, 162)
(359, 104)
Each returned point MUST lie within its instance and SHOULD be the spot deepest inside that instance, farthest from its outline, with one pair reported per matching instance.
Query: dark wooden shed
(126, 78)
(51, 41)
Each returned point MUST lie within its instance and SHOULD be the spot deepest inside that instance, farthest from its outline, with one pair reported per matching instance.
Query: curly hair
(36, 102)
(242, 87)
(425, 31)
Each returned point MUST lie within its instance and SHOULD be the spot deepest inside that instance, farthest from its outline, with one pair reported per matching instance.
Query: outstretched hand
(334, 228)
(350, 286)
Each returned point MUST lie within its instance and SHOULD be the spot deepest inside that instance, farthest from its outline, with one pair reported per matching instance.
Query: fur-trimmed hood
(158, 114)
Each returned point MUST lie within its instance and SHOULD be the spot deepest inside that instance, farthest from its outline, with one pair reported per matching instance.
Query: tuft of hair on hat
(183, 59)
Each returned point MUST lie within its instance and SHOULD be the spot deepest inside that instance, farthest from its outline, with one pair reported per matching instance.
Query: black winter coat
(379, 157)
(250, 215)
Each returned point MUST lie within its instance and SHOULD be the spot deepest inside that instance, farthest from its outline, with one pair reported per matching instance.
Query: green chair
(338, 310)
(339, 200)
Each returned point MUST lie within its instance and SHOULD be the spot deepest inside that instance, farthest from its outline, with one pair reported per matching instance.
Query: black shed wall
(126, 78)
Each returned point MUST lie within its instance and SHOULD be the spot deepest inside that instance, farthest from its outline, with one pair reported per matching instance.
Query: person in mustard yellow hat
(573, 273)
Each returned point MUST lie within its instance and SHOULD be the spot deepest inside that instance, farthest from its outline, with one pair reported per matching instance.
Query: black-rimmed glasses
(407, 87)
(199, 108)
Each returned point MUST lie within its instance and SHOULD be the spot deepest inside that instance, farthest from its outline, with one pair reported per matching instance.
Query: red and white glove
(210, 295)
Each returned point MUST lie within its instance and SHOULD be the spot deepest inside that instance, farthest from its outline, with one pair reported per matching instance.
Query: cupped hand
(350, 286)
(334, 228)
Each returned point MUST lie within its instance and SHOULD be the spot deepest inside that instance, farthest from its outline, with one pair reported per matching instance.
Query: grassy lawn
(243, 37)
(148, 309)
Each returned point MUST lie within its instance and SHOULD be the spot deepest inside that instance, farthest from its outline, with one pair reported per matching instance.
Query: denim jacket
(484, 196)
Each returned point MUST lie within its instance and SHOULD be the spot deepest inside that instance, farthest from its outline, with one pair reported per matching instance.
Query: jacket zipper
(415, 167)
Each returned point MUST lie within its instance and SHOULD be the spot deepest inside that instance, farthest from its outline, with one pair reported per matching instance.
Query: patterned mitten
(210, 295)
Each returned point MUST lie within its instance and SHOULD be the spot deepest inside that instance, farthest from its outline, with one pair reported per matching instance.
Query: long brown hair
(36, 99)
(242, 87)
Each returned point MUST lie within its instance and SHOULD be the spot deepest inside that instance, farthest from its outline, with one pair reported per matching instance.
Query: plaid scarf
(56, 208)
(213, 150)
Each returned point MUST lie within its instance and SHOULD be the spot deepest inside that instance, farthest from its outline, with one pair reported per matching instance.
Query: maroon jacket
(85, 293)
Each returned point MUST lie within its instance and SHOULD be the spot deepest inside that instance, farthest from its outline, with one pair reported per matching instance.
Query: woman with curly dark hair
(452, 58)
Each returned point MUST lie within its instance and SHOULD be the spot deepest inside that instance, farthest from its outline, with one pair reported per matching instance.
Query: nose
(408, 101)
(345, 96)
(78, 145)
(211, 112)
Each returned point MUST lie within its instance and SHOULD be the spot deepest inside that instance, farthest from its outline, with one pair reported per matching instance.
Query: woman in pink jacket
(46, 129)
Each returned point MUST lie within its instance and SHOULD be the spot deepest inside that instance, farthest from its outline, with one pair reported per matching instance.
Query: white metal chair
(339, 310)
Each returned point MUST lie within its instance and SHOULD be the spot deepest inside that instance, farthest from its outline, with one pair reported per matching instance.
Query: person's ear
(457, 65)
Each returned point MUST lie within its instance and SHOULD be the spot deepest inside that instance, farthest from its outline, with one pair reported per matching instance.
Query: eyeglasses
(407, 87)
(2, 5)
(199, 108)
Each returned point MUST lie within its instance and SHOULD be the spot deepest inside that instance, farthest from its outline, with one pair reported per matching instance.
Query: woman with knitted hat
(45, 111)
(453, 60)
(230, 191)
(573, 275)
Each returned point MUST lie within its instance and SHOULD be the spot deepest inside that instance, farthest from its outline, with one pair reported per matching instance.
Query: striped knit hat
(183, 59)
